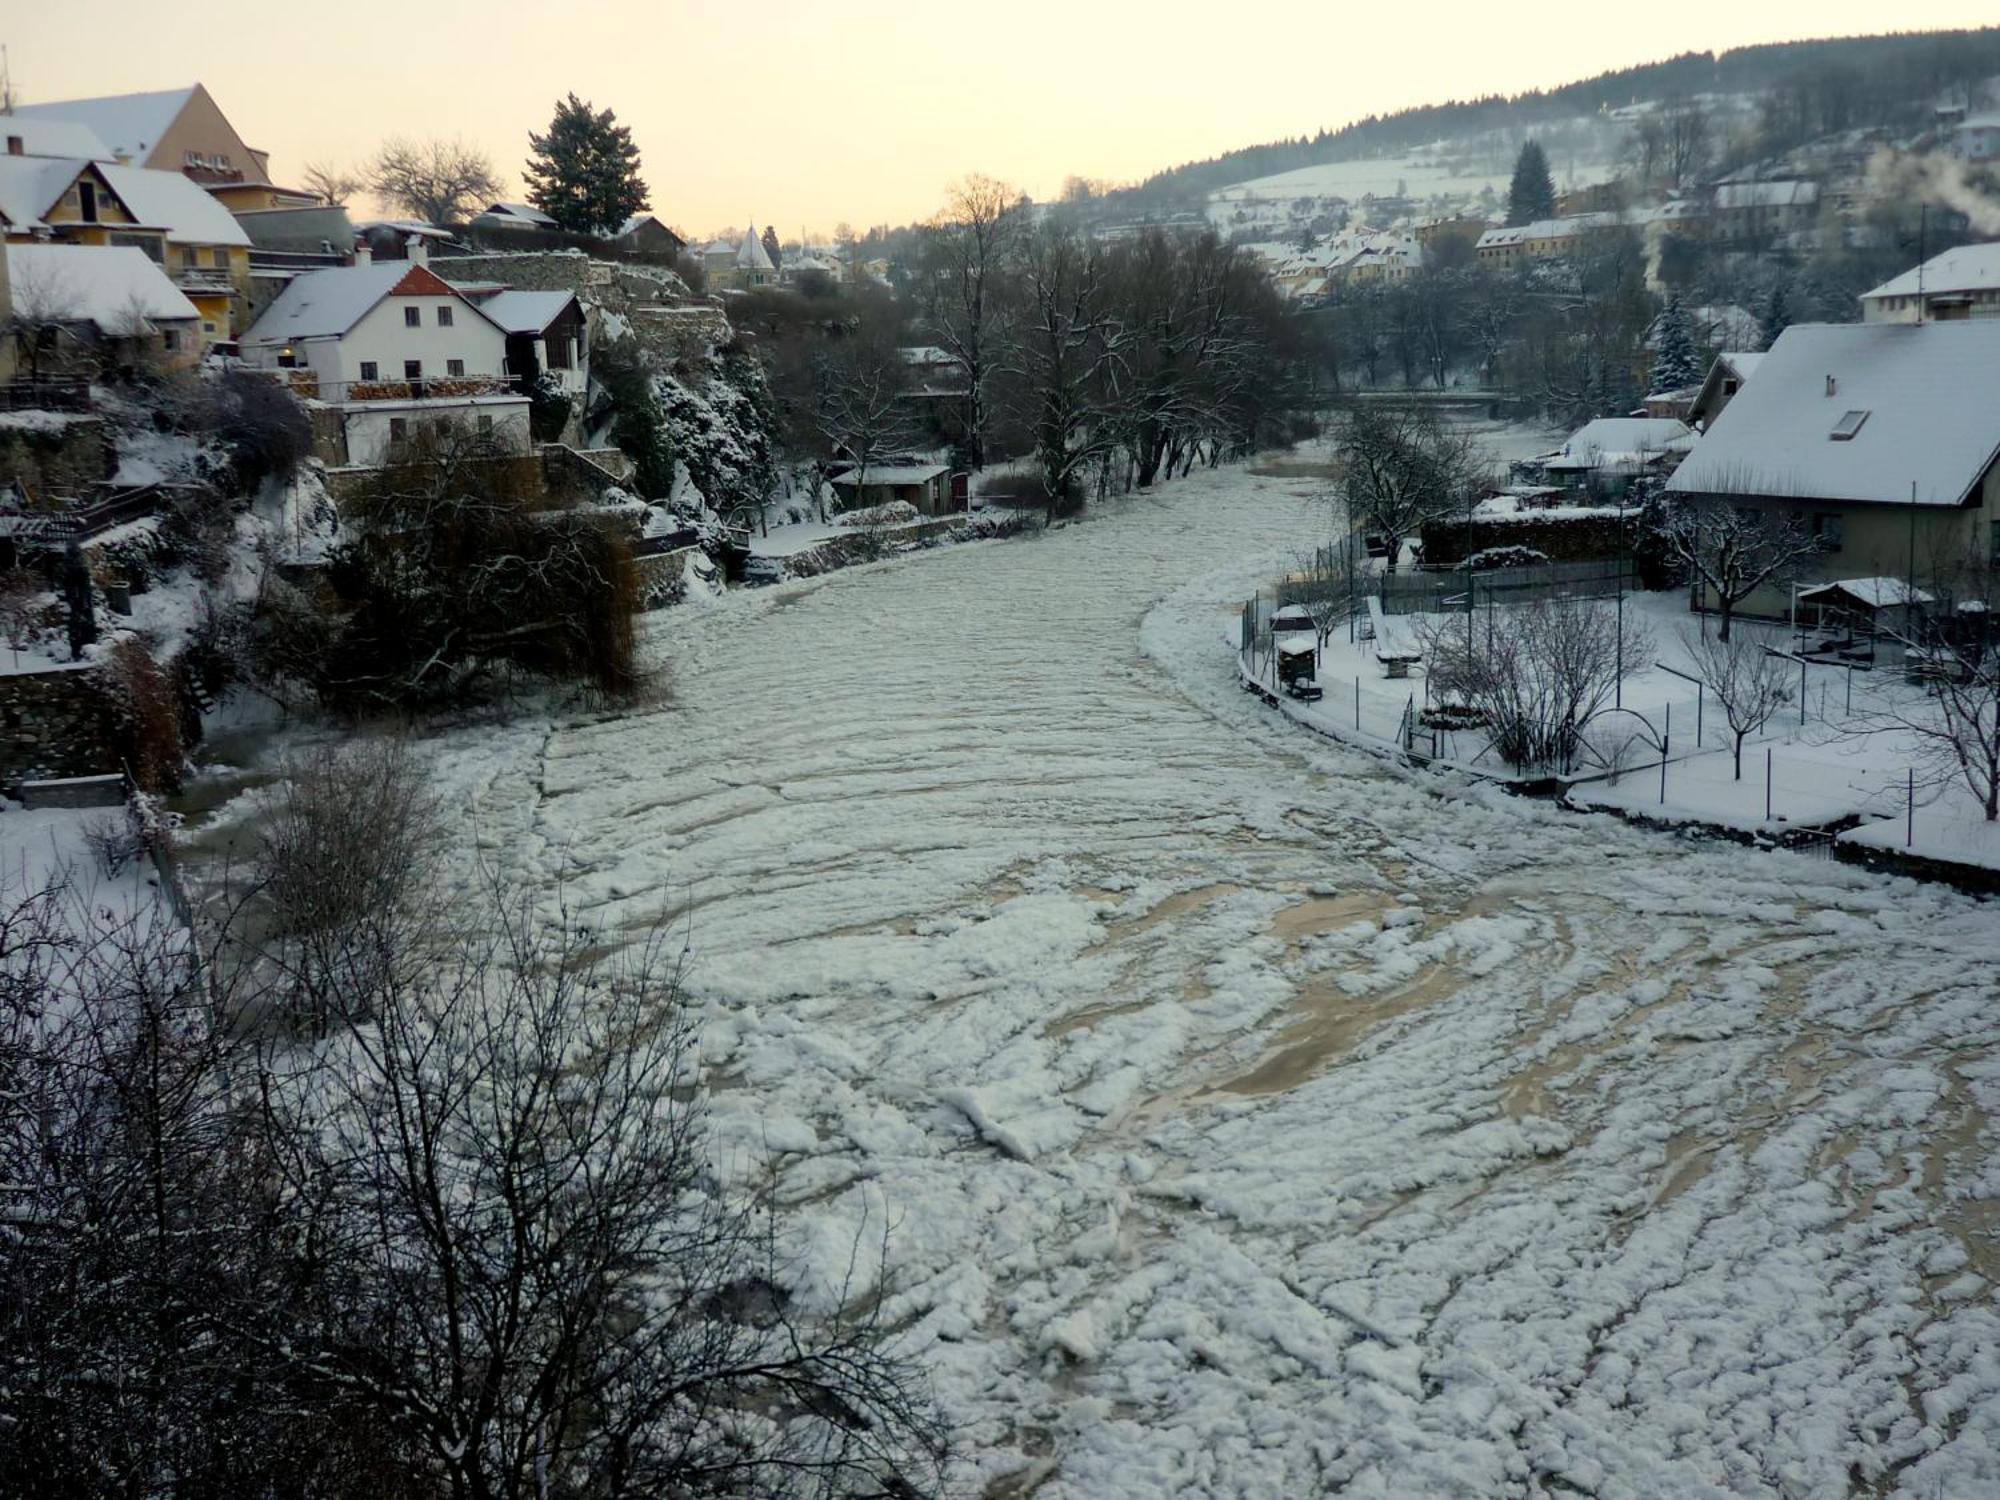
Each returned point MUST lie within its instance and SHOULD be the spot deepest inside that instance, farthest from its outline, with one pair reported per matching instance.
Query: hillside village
(1327, 824)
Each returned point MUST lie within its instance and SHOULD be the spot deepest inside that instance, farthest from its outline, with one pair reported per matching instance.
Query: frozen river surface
(1247, 1119)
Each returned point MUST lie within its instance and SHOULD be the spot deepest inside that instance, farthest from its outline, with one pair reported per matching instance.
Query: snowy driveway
(1247, 1120)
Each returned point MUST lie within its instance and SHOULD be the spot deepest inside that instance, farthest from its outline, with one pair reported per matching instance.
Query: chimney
(415, 251)
(363, 256)
(1832, 385)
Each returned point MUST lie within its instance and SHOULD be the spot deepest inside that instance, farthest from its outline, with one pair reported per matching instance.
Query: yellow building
(175, 222)
(179, 130)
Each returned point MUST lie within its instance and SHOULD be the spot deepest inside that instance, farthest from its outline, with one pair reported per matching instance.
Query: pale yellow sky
(808, 114)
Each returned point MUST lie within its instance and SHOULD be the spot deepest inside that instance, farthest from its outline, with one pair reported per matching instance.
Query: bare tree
(1749, 681)
(968, 251)
(541, 1286)
(1535, 673)
(1326, 584)
(1731, 551)
(1400, 467)
(1064, 357)
(43, 306)
(1953, 718)
(436, 180)
(21, 596)
(334, 185)
(854, 409)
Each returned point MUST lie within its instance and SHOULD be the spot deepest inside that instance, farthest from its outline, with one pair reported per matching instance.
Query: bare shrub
(1749, 682)
(1536, 673)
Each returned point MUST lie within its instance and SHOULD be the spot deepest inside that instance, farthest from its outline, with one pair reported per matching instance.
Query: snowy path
(1250, 1121)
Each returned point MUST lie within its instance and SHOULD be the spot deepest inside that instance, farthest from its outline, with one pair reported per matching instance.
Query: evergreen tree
(1675, 365)
(584, 173)
(771, 243)
(1532, 194)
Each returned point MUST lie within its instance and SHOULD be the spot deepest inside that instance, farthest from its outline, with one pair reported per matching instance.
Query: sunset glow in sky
(806, 115)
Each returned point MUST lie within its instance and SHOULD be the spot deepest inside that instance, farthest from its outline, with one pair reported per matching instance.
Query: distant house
(1882, 438)
(388, 345)
(178, 130)
(170, 219)
(1960, 283)
(926, 486)
(1761, 210)
(76, 307)
(1545, 239)
(647, 234)
(740, 266)
(1604, 457)
(1725, 378)
(512, 216)
(1975, 139)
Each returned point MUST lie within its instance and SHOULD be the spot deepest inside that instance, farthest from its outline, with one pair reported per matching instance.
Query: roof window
(1848, 425)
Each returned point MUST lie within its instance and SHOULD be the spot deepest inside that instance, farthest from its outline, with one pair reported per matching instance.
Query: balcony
(204, 281)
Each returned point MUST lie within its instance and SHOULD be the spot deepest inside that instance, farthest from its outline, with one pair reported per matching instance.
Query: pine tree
(771, 243)
(1675, 365)
(584, 173)
(1532, 194)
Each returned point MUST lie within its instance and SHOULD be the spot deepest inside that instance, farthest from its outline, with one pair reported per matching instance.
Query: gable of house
(1871, 413)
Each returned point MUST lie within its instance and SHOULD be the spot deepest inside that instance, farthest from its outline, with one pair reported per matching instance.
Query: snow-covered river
(1247, 1119)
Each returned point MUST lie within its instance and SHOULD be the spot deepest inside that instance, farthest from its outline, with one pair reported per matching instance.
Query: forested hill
(1826, 85)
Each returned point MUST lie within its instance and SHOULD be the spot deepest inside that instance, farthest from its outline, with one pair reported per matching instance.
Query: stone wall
(53, 454)
(54, 724)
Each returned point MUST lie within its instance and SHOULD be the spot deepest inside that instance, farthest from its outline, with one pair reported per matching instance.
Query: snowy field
(1247, 1119)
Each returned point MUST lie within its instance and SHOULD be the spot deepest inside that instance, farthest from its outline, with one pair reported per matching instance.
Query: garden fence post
(1910, 806)
(1767, 783)
(1802, 690)
(1357, 705)
(1666, 737)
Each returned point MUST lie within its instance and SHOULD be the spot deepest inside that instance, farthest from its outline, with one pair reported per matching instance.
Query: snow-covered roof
(526, 312)
(325, 304)
(639, 221)
(1612, 442)
(1545, 229)
(1876, 593)
(525, 214)
(130, 124)
(926, 354)
(1915, 401)
(1969, 268)
(1767, 195)
(43, 135)
(751, 254)
(188, 212)
(28, 185)
(102, 284)
(893, 474)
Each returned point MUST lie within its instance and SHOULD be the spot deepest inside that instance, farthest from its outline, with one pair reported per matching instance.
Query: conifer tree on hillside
(1675, 364)
(1776, 315)
(1532, 194)
(584, 173)
(770, 238)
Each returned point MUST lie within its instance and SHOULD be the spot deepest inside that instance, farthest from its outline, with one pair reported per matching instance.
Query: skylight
(1847, 426)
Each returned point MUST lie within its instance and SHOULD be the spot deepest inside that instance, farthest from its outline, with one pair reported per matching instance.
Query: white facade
(372, 427)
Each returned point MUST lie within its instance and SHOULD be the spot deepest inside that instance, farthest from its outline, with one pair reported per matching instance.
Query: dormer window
(1848, 425)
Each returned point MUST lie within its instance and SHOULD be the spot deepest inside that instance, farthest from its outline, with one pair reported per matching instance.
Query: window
(485, 426)
(1831, 530)
(454, 367)
(398, 429)
(190, 256)
(559, 353)
(86, 201)
(219, 258)
(170, 339)
(368, 370)
(208, 328)
(413, 317)
(413, 369)
(1994, 542)
(444, 317)
(1849, 423)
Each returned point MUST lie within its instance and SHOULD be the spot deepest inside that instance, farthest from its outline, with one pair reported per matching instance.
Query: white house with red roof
(390, 344)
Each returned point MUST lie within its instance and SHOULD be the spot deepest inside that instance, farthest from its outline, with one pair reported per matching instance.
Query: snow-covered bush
(892, 513)
(1506, 557)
